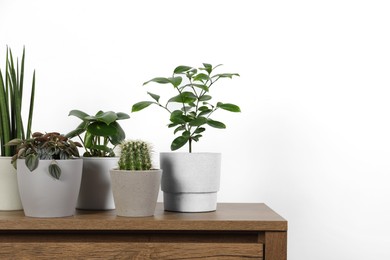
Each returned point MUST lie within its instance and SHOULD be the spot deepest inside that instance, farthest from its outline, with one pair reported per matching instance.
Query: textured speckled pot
(9, 191)
(43, 196)
(95, 191)
(135, 192)
(190, 181)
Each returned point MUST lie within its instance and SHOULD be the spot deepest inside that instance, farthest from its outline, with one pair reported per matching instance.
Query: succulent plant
(50, 146)
(135, 156)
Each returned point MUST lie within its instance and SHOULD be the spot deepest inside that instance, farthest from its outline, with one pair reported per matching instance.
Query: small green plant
(11, 97)
(101, 130)
(194, 99)
(50, 146)
(135, 156)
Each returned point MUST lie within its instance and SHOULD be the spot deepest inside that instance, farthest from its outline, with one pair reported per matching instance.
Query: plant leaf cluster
(50, 146)
(193, 86)
(101, 131)
(11, 97)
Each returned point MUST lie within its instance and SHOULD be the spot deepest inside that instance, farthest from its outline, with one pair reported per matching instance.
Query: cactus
(135, 156)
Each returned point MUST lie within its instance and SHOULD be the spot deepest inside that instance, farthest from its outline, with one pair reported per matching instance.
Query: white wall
(313, 138)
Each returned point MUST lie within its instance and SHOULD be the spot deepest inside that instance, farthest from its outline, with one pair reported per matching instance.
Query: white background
(312, 140)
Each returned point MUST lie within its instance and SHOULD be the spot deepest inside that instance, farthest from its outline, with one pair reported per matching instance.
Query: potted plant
(135, 184)
(102, 133)
(11, 126)
(190, 181)
(49, 174)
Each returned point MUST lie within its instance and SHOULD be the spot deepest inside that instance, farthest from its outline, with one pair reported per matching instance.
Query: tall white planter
(44, 196)
(190, 181)
(95, 191)
(135, 192)
(9, 192)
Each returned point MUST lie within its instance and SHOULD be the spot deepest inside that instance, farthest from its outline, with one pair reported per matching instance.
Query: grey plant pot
(42, 195)
(190, 181)
(9, 191)
(135, 192)
(95, 191)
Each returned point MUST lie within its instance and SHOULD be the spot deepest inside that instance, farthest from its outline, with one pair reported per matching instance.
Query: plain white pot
(95, 191)
(190, 181)
(44, 196)
(9, 191)
(135, 192)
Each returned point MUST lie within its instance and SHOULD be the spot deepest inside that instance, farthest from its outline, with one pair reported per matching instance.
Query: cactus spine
(135, 156)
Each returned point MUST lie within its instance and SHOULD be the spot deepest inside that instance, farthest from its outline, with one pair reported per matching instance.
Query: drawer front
(123, 250)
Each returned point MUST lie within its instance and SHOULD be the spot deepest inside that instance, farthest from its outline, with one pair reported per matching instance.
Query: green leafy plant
(135, 156)
(101, 130)
(50, 146)
(11, 97)
(195, 102)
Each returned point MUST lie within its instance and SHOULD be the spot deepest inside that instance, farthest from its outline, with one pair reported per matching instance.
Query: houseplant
(49, 174)
(12, 126)
(102, 133)
(190, 180)
(135, 184)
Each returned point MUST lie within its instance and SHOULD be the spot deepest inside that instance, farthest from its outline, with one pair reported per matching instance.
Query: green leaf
(159, 80)
(55, 170)
(200, 77)
(141, 105)
(205, 112)
(121, 116)
(154, 96)
(178, 142)
(177, 117)
(176, 81)
(184, 97)
(106, 117)
(181, 69)
(201, 86)
(204, 98)
(216, 124)
(102, 129)
(196, 137)
(119, 135)
(228, 107)
(200, 130)
(179, 128)
(198, 121)
(226, 75)
(208, 67)
(78, 113)
(32, 162)
(79, 130)
(186, 134)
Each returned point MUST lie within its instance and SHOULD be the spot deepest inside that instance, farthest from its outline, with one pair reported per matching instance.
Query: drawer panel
(106, 250)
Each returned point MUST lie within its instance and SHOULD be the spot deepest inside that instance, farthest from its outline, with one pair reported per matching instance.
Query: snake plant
(11, 97)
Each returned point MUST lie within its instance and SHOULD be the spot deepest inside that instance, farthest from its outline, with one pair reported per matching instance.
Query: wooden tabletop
(229, 216)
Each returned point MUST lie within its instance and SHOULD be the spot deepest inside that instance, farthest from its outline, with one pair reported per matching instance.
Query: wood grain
(229, 216)
(276, 245)
(130, 251)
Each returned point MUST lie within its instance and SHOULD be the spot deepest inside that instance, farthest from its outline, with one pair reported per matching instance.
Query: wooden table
(234, 231)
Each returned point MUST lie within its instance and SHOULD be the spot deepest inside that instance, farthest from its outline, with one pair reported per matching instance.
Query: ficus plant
(11, 100)
(196, 108)
(102, 132)
(50, 146)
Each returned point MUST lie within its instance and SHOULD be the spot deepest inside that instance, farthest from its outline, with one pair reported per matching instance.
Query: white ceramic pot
(135, 192)
(44, 196)
(9, 191)
(95, 191)
(190, 181)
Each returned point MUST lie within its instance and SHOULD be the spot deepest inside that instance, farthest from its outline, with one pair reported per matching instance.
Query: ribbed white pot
(135, 192)
(9, 191)
(42, 195)
(190, 181)
(95, 191)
